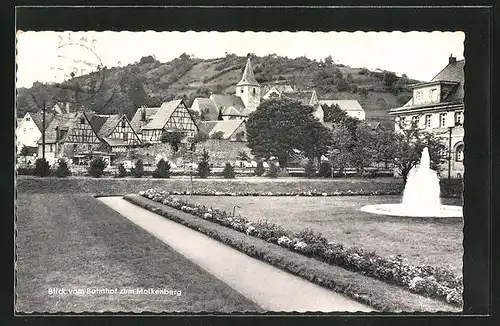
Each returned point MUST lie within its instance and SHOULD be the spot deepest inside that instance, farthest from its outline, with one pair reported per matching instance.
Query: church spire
(248, 78)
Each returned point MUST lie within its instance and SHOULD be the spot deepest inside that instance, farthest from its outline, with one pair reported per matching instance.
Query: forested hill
(150, 82)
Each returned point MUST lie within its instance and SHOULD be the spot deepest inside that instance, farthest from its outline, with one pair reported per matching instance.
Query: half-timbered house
(71, 136)
(115, 131)
(172, 116)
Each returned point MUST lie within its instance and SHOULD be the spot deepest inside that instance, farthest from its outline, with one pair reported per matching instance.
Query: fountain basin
(408, 211)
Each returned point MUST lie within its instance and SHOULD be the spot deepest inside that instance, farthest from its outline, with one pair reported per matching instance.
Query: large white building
(437, 106)
(29, 129)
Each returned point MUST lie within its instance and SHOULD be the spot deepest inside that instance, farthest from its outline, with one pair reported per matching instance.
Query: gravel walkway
(269, 287)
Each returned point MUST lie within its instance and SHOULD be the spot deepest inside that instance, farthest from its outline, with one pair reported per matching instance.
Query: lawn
(437, 242)
(72, 241)
(122, 186)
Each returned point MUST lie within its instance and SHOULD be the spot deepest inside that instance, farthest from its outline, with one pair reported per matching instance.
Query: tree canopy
(279, 126)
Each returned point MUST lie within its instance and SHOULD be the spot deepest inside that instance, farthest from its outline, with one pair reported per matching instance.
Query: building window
(443, 153)
(433, 95)
(459, 117)
(254, 91)
(28, 118)
(459, 153)
(442, 119)
(74, 147)
(123, 123)
(402, 122)
(428, 121)
(82, 120)
(415, 120)
(241, 91)
(125, 136)
(419, 96)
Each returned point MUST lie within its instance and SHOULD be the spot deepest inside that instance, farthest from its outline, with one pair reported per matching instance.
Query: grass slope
(436, 242)
(73, 241)
(190, 77)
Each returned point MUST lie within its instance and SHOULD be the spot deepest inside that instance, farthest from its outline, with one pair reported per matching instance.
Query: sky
(419, 55)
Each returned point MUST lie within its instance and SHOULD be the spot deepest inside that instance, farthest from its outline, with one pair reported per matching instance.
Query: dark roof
(104, 124)
(115, 142)
(303, 97)
(136, 122)
(231, 111)
(248, 77)
(97, 121)
(207, 104)
(160, 119)
(38, 119)
(227, 127)
(60, 121)
(224, 101)
(207, 126)
(346, 105)
(453, 72)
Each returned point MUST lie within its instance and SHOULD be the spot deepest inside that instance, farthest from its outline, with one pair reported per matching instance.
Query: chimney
(452, 59)
(143, 114)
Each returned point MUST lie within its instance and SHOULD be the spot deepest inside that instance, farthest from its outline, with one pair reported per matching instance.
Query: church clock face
(78, 67)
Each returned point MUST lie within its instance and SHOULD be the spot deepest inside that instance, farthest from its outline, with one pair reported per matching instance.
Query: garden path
(268, 286)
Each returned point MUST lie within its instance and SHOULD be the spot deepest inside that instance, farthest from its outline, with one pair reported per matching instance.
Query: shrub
(97, 166)
(310, 171)
(273, 170)
(204, 165)
(42, 167)
(62, 170)
(162, 169)
(228, 172)
(25, 170)
(259, 169)
(138, 170)
(325, 169)
(121, 171)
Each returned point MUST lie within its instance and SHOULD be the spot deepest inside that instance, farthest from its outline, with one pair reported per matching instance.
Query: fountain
(421, 196)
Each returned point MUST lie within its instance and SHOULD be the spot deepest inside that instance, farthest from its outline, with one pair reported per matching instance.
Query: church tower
(248, 88)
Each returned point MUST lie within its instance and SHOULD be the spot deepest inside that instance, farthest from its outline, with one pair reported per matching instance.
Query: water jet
(421, 195)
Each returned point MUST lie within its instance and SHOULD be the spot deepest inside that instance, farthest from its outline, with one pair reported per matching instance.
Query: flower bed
(311, 193)
(425, 280)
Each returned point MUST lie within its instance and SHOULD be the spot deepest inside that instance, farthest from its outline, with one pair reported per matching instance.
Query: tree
(325, 169)
(364, 148)
(228, 171)
(409, 144)
(96, 167)
(218, 135)
(173, 138)
(24, 151)
(138, 170)
(42, 167)
(162, 169)
(317, 140)
(279, 126)
(121, 171)
(243, 156)
(62, 170)
(200, 137)
(310, 171)
(259, 169)
(340, 151)
(329, 60)
(204, 165)
(385, 146)
(273, 170)
(390, 79)
(333, 113)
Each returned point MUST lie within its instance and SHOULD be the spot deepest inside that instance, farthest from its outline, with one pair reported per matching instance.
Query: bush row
(426, 280)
